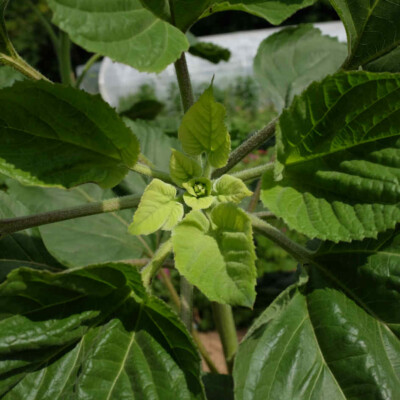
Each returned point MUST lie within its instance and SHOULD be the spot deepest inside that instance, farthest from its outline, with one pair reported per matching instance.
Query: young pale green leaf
(82, 241)
(198, 203)
(274, 12)
(319, 345)
(158, 209)
(372, 29)
(339, 158)
(288, 61)
(69, 137)
(198, 187)
(230, 189)
(92, 333)
(21, 249)
(367, 271)
(203, 129)
(222, 249)
(183, 168)
(125, 31)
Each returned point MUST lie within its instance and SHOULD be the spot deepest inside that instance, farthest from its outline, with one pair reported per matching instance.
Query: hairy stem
(86, 69)
(22, 66)
(255, 198)
(151, 172)
(300, 253)
(223, 318)
(11, 225)
(253, 173)
(247, 147)
(66, 72)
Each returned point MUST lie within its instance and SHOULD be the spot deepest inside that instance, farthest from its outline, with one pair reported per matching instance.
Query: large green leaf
(222, 249)
(183, 168)
(319, 345)
(339, 158)
(83, 241)
(68, 137)
(21, 249)
(273, 11)
(122, 30)
(288, 61)
(367, 271)
(92, 333)
(372, 29)
(203, 129)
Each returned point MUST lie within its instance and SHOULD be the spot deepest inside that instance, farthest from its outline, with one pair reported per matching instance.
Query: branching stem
(151, 172)
(247, 147)
(12, 225)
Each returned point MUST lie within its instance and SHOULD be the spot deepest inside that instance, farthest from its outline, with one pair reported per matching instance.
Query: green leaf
(8, 76)
(69, 137)
(387, 63)
(82, 241)
(210, 52)
(92, 333)
(222, 249)
(122, 30)
(21, 249)
(186, 12)
(158, 209)
(372, 29)
(339, 159)
(274, 12)
(198, 187)
(183, 168)
(230, 189)
(319, 345)
(145, 109)
(367, 271)
(203, 129)
(289, 60)
(154, 143)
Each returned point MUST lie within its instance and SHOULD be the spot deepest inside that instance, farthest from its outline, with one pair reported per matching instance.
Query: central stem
(186, 91)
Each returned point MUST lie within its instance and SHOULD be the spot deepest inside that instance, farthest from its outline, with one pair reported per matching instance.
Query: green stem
(22, 66)
(66, 73)
(184, 82)
(156, 263)
(186, 91)
(253, 173)
(151, 172)
(47, 25)
(186, 311)
(86, 69)
(247, 147)
(300, 253)
(225, 323)
(12, 225)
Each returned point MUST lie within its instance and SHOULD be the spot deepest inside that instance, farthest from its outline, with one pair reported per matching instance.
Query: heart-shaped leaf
(222, 249)
(124, 31)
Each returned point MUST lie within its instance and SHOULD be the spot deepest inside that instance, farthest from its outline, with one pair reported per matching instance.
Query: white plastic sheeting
(118, 81)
